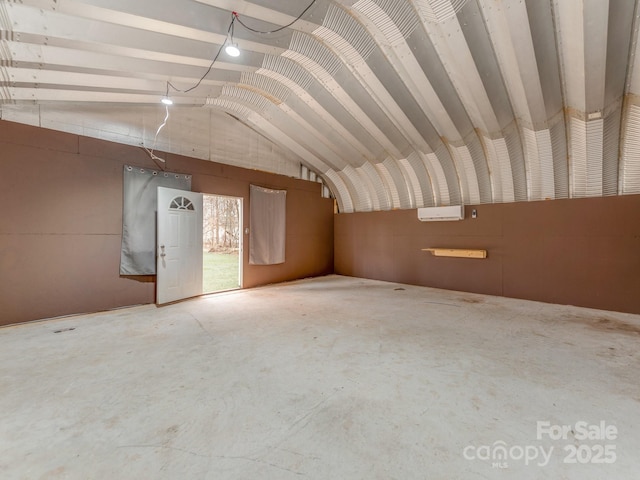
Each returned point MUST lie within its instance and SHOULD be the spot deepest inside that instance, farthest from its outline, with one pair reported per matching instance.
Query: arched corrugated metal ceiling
(395, 103)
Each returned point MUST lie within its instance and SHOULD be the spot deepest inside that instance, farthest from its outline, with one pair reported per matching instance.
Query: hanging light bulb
(232, 50)
(166, 100)
(232, 47)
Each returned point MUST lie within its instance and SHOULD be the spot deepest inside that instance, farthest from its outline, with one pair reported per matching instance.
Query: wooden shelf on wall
(456, 252)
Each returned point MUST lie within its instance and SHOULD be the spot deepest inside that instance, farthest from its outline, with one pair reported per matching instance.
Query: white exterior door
(179, 253)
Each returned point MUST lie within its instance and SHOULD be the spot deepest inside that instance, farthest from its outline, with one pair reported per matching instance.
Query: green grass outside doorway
(220, 271)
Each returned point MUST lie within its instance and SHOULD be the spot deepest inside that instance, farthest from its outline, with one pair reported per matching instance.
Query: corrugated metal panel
(6, 32)
(544, 36)
(467, 175)
(619, 48)
(481, 167)
(516, 157)
(236, 108)
(391, 96)
(405, 192)
(298, 128)
(423, 177)
(360, 193)
(375, 192)
(5, 81)
(339, 119)
(539, 156)
(500, 165)
(275, 89)
(454, 185)
(633, 76)
(560, 160)
(379, 187)
(586, 157)
(297, 76)
(390, 184)
(399, 73)
(439, 183)
(432, 66)
(343, 197)
(569, 31)
(631, 152)
(348, 31)
(400, 182)
(611, 148)
(352, 95)
(595, 153)
(545, 157)
(413, 184)
(346, 50)
(259, 102)
(534, 178)
(578, 157)
(513, 45)
(438, 11)
(395, 18)
(313, 56)
(5, 54)
(491, 75)
(454, 51)
(370, 81)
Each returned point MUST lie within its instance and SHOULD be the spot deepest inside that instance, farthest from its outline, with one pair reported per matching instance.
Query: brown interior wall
(582, 252)
(61, 226)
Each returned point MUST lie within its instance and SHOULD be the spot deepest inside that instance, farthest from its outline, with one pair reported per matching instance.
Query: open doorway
(222, 243)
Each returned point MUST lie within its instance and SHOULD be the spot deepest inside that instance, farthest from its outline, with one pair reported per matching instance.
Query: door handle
(162, 254)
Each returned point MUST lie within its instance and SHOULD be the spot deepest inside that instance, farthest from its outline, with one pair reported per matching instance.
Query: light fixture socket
(167, 101)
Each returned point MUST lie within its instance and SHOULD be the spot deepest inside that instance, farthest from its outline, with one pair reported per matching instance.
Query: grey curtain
(267, 222)
(140, 197)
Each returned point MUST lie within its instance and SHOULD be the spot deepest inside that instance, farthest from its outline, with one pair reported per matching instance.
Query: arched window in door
(181, 203)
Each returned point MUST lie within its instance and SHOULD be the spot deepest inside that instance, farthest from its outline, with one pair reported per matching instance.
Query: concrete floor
(330, 378)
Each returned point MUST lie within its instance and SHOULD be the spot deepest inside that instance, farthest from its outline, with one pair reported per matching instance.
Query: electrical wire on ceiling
(279, 29)
(230, 31)
(150, 151)
(166, 100)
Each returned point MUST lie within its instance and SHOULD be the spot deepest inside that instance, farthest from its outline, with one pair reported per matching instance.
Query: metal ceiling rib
(396, 103)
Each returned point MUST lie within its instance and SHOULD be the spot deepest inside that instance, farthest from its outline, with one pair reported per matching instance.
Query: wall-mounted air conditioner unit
(439, 214)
